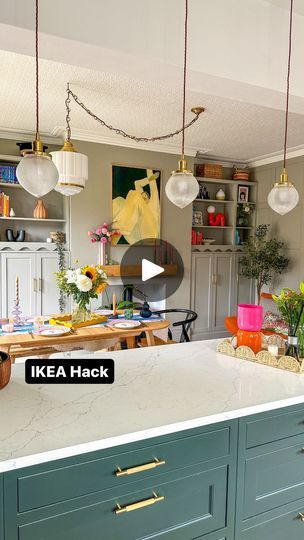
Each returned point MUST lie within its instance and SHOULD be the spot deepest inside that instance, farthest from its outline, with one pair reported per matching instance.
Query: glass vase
(80, 313)
(292, 347)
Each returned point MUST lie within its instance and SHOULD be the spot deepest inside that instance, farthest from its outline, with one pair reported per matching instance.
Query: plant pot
(5, 369)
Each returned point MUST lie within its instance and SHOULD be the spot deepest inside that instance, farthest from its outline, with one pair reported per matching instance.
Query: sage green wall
(288, 228)
(93, 206)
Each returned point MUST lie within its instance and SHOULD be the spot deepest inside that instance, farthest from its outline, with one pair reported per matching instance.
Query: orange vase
(250, 339)
(40, 211)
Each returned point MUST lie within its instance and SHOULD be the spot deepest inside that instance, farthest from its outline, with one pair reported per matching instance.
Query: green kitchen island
(185, 445)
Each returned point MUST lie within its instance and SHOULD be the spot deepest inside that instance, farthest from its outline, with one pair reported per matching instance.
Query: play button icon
(153, 269)
(149, 270)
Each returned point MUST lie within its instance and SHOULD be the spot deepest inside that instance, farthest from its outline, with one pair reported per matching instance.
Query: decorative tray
(287, 363)
(66, 320)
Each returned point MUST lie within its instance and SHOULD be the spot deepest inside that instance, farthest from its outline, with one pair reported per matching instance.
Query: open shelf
(10, 185)
(224, 181)
(244, 228)
(211, 227)
(8, 218)
(214, 201)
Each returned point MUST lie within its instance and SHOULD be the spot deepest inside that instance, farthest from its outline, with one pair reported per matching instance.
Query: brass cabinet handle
(140, 504)
(301, 516)
(140, 468)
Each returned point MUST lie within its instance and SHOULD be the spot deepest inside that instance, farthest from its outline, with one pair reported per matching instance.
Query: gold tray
(287, 363)
(66, 320)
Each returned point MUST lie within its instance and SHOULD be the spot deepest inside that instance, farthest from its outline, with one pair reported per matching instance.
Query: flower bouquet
(291, 305)
(244, 211)
(103, 235)
(82, 284)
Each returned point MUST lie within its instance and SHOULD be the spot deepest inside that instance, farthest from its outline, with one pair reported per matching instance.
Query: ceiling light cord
(288, 81)
(37, 69)
(185, 76)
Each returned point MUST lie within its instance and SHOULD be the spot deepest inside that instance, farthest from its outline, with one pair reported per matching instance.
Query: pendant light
(284, 197)
(72, 166)
(182, 187)
(36, 172)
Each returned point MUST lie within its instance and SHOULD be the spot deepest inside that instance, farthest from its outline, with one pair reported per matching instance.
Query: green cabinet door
(285, 525)
(198, 500)
(275, 477)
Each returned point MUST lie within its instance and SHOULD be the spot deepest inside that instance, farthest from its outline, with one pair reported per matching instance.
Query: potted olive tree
(263, 258)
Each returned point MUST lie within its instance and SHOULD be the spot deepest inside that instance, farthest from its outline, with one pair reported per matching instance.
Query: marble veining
(158, 390)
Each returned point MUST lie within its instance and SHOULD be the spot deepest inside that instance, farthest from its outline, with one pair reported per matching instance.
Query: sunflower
(90, 272)
(101, 287)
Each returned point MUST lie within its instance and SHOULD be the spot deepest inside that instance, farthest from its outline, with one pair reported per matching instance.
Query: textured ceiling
(228, 128)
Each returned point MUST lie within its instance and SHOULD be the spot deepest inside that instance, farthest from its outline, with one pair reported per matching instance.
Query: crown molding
(27, 135)
(267, 159)
(116, 140)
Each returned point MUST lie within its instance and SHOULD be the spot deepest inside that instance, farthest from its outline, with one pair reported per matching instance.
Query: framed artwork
(135, 204)
(243, 192)
(197, 218)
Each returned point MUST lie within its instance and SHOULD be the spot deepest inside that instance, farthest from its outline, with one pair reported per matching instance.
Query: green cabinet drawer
(49, 484)
(275, 477)
(197, 501)
(284, 526)
(274, 426)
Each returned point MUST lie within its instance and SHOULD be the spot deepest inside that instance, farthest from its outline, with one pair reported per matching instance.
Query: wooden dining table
(31, 344)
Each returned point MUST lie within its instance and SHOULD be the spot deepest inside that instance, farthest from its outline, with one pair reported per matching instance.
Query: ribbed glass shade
(282, 199)
(37, 174)
(73, 171)
(182, 188)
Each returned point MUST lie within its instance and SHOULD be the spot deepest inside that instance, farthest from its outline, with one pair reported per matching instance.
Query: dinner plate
(104, 311)
(53, 331)
(32, 320)
(123, 325)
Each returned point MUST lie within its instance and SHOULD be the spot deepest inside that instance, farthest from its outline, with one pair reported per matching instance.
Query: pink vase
(250, 317)
(101, 253)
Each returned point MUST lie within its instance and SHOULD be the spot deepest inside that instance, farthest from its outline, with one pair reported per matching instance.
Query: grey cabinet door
(48, 293)
(244, 287)
(223, 290)
(201, 292)
(22, 265)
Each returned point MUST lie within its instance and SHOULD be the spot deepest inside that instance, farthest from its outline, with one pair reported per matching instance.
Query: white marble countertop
(158, 390)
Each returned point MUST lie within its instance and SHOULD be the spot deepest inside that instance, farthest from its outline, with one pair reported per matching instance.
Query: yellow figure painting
(137, 214)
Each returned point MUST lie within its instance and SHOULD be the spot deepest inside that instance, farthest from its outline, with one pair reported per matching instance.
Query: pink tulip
(98, 231)
(104, 240)
(105, 226)
(90, 233)
(93, 240)
(104, 230)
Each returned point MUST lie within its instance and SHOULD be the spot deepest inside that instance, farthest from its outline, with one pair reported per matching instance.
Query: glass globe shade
(182, 188)
(37, 174)
(73, 171)
(283, 198)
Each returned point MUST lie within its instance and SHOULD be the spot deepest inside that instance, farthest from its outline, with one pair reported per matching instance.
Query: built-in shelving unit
(234, 233)
(23, 203)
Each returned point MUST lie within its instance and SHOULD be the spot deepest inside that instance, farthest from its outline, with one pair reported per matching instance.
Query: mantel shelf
(135, 270)
(16, 218)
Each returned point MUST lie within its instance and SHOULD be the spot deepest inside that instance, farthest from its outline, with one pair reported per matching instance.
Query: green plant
(59, 241)
(263, 258)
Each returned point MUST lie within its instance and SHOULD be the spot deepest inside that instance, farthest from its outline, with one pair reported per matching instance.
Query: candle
(273, 349)
(114, 303)
(17, 290)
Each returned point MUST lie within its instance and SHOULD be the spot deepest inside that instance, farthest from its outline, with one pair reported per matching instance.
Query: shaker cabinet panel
(223, 297)
(244, 287)
(202, 268)
(22, 265)
(48, 293)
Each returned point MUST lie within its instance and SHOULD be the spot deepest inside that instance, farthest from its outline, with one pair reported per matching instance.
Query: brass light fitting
(37, 149)
(284, 182)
